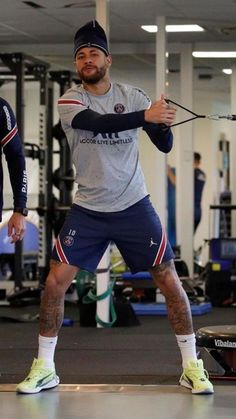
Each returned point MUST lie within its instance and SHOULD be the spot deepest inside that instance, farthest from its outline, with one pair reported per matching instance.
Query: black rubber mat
(144, 354)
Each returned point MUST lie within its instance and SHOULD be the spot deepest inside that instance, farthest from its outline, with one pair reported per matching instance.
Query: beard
(93, 78)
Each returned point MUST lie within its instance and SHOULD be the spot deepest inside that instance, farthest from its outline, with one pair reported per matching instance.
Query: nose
(88, 59)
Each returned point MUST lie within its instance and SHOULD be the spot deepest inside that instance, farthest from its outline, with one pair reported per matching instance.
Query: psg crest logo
(68, 241)
(119, 108)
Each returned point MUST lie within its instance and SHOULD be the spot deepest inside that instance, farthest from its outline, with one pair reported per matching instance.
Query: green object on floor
(87, 292)
(92, 297)
(84, 280)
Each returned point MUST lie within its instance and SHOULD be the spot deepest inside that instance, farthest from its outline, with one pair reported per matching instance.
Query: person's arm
(158, 118)
(17, 173)
(160, 135)
(158, 113)
(90, 120)
(171, 175)
(13, 151)
(16, 166)
(154, 120)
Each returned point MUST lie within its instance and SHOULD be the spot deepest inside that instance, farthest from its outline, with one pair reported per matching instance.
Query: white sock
(187, 346)
(47, 349)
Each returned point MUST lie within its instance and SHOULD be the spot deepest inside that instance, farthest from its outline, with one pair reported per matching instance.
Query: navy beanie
(91, 35)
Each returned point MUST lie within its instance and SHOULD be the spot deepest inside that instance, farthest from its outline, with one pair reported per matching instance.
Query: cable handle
(232, 117)
(186, 109)
(216, 117)
(195, 115)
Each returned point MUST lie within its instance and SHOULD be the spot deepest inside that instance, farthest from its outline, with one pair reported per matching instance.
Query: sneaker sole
(51, 384)
(184, 383)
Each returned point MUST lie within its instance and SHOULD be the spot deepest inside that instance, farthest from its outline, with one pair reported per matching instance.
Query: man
(199, 182)
(101, 121)
(11, 146)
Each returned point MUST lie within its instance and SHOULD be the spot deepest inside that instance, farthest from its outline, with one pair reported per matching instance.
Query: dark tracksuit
(11, 146)
(199, 182)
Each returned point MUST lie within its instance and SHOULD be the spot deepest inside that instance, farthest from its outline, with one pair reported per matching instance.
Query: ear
(109, 60)
(75, 65)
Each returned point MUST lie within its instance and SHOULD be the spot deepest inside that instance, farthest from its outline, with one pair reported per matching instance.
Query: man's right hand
(160, 112)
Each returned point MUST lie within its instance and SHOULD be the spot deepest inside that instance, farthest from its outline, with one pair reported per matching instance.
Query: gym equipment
(103, 291)
(217, 346)
(22, 67)
(63, 176)
(221, 270)
(224, 211)
(94, 296)
(159, 309)
(143, 280)
(219, 274)
(215, 117)
(30, 251)
(120, 314)
(30, 244)
(218, 283)
(51, 212)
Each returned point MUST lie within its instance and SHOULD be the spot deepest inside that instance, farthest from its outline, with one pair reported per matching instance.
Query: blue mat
(157, 309)
(30, 242)
(139, 275)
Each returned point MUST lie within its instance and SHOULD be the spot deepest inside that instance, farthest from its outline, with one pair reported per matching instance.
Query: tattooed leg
(178, 307)
(52, 302)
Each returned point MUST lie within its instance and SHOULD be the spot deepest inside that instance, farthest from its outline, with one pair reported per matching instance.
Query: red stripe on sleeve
(70, 102)
(9, 136)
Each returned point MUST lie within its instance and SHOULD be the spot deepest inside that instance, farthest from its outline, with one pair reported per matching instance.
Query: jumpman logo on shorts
(152, 243)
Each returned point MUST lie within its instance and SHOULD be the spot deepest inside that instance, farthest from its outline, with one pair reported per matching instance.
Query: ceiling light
(149, 28)
(184, 28)
(214, 54)
(174, 28)
(227, 70)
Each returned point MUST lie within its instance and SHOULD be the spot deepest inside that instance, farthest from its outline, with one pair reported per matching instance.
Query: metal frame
(21, 65)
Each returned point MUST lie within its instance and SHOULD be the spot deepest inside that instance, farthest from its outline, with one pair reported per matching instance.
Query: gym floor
(114, 402)
(107, 373)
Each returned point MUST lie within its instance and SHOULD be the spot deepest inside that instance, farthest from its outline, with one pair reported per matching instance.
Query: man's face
(92, 65)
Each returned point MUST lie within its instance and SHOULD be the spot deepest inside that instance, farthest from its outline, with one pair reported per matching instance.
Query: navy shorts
(136, 231)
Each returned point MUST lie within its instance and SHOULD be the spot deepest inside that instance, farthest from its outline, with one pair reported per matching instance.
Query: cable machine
(63, 176)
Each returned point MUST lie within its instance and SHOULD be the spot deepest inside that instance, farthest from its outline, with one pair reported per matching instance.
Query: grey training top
(108, 171)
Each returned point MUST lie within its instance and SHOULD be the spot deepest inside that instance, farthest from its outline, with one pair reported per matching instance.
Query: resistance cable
(215, 117)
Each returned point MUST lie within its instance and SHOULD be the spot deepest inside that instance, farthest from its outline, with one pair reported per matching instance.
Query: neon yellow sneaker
(39, 378)
(196, 377)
